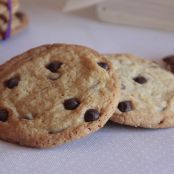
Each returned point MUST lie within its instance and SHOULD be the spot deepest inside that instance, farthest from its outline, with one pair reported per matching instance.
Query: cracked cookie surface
(54, 94)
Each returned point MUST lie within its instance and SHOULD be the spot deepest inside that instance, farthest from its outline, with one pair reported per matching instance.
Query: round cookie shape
(56, 93)
(147, 93)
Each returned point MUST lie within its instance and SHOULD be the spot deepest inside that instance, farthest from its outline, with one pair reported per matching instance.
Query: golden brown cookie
(4, 8)
(19, 22)
(54, 94)
(147, 93)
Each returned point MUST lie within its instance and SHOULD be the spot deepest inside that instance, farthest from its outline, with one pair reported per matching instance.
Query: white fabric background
(114, 149)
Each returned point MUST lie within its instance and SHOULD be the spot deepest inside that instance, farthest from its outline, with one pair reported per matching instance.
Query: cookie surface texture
(147, 93)
(54, 94)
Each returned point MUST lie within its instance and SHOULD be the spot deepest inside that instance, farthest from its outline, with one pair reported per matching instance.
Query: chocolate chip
(169, 60)
(12, 82)
(19, 15)
(162, 121)
(3, 115)
(140, 79)
(172, 68)
(104, 65)
(54, 66)
(91, 115)
(125, 106)
(71, 104)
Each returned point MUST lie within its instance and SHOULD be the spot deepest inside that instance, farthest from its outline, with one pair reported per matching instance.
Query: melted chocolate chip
(91, 115)
(3, 115)
(125, 106)
(104, 65)
(12, 82)
(71, 104)
(140, 79)
(54, 66)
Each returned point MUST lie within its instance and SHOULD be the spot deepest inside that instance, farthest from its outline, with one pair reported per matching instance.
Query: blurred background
(109, 26)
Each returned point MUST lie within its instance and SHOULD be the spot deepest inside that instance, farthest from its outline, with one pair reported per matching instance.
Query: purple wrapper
(8, 31)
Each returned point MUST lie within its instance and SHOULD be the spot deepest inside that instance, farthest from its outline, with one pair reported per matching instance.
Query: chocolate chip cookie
(4, 13)
(54, 94)
(19, 22)
(147, 93)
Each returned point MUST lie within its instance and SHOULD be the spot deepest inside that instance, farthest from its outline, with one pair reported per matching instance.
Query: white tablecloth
(114, 149)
